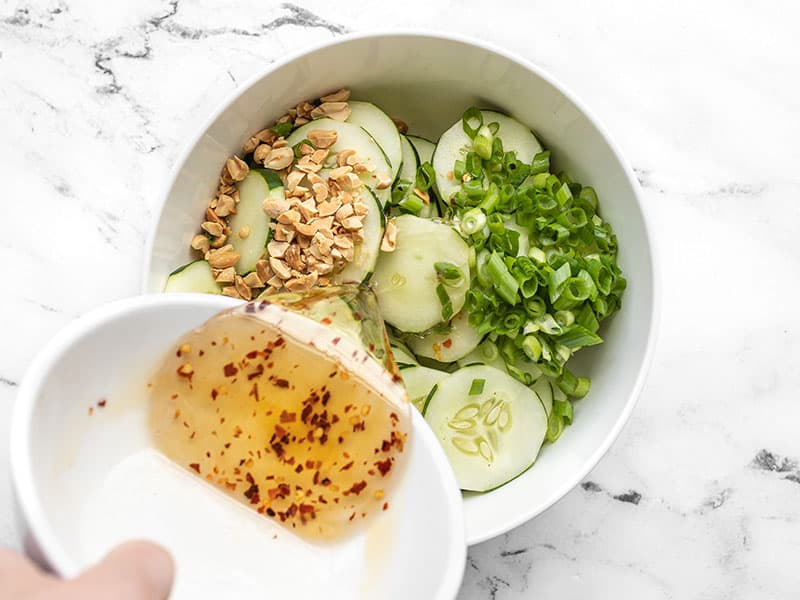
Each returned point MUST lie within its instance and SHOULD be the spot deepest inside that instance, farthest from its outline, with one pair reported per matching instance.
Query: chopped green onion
(490, 199)
(283, 129)
(537, 254)
(577, 336)
(563, 408)
(471, 121)
(506, 285)
(444, 300)
(565, 318)
(411, 203)
(494, 127)
(449, 274)
(535, 307)
(488, 350)
(459, 169)
(577, 387)
(558, 279)
(482, 272)
(425, 176)
(532, 347)
(548, 324)
(555, 426)
(563, 195)
(472, 221)
(482, 143)
(541, 163)
(476, 389)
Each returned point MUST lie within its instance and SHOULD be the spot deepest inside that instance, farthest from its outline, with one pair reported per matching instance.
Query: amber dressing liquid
(293, 432)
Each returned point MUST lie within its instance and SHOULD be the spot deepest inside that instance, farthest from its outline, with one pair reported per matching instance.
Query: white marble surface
(700, 497)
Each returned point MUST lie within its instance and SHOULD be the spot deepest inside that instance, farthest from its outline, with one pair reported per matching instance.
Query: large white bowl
(87, 477)
(428, 79)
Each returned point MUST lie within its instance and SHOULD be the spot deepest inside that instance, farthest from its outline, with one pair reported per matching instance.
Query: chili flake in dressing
(251, 403)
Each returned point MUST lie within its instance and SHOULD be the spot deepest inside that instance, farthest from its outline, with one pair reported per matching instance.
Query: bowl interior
(88, 478)
(428, 81)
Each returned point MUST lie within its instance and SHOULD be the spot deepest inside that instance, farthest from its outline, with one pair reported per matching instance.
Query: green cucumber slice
(490, 426)
(382, 129)
(366, 253)
(459, 341)
(419, 381)
(193, 277)
(259, 185)
(405, 281)
(423, 147)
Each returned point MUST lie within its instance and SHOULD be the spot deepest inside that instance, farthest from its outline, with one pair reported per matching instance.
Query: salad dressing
(313, 440)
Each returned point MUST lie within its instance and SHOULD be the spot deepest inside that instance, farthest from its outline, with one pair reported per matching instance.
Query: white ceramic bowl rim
(655, 309)
(22, 469)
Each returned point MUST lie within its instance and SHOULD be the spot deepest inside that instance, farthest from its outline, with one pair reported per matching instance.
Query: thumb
(133, 571)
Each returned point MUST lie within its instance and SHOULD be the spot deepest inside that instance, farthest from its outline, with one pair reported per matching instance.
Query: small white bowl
(87, 477)
(428, 79)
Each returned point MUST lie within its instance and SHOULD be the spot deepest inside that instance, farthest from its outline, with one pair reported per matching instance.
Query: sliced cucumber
(339, 314)
(477, 357)
(366, 253)
(402, 355)
(407, 178)
(408, 170)
(351, 137)
(454, 143)
(419, 381)
(423, 147)
(382, 129)
(405, 281)
(544, 389)
(194, 277)
(250, 219)
(490, 426)
(462, 339)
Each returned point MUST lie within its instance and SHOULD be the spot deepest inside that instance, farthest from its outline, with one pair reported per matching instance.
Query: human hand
(132, 571)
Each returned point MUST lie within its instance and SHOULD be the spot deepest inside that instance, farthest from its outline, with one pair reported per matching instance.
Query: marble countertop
(700, 496)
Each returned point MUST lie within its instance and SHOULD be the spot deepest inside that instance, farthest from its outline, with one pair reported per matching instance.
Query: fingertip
(136, 570)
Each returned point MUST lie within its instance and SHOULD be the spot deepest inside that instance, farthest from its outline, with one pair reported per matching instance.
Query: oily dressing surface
(279, 425)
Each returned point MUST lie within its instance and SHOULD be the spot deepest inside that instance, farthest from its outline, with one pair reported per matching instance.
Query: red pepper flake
(254, 392)
(281, 383)
(186, 370)
(336, 340)
(306, 508)
(279, 342)
(91, 410)
(347, 466)
(325, 321)
(447, 343)
(288, 417)
(384, 466)
(298, 469)
(101, 403)
(195, 466)
(356, 488)
(353, 516)
(385, 505)
(214, 394)
(252, 354)
(257, 373)
(230, 370)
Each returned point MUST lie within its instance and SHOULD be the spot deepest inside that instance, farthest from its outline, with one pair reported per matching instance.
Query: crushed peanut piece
(338, 111)
(342, 95)
(201, 242)
(237, 168)
(322, 138)
(227, 275)
(279, 158)
(389, 241)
